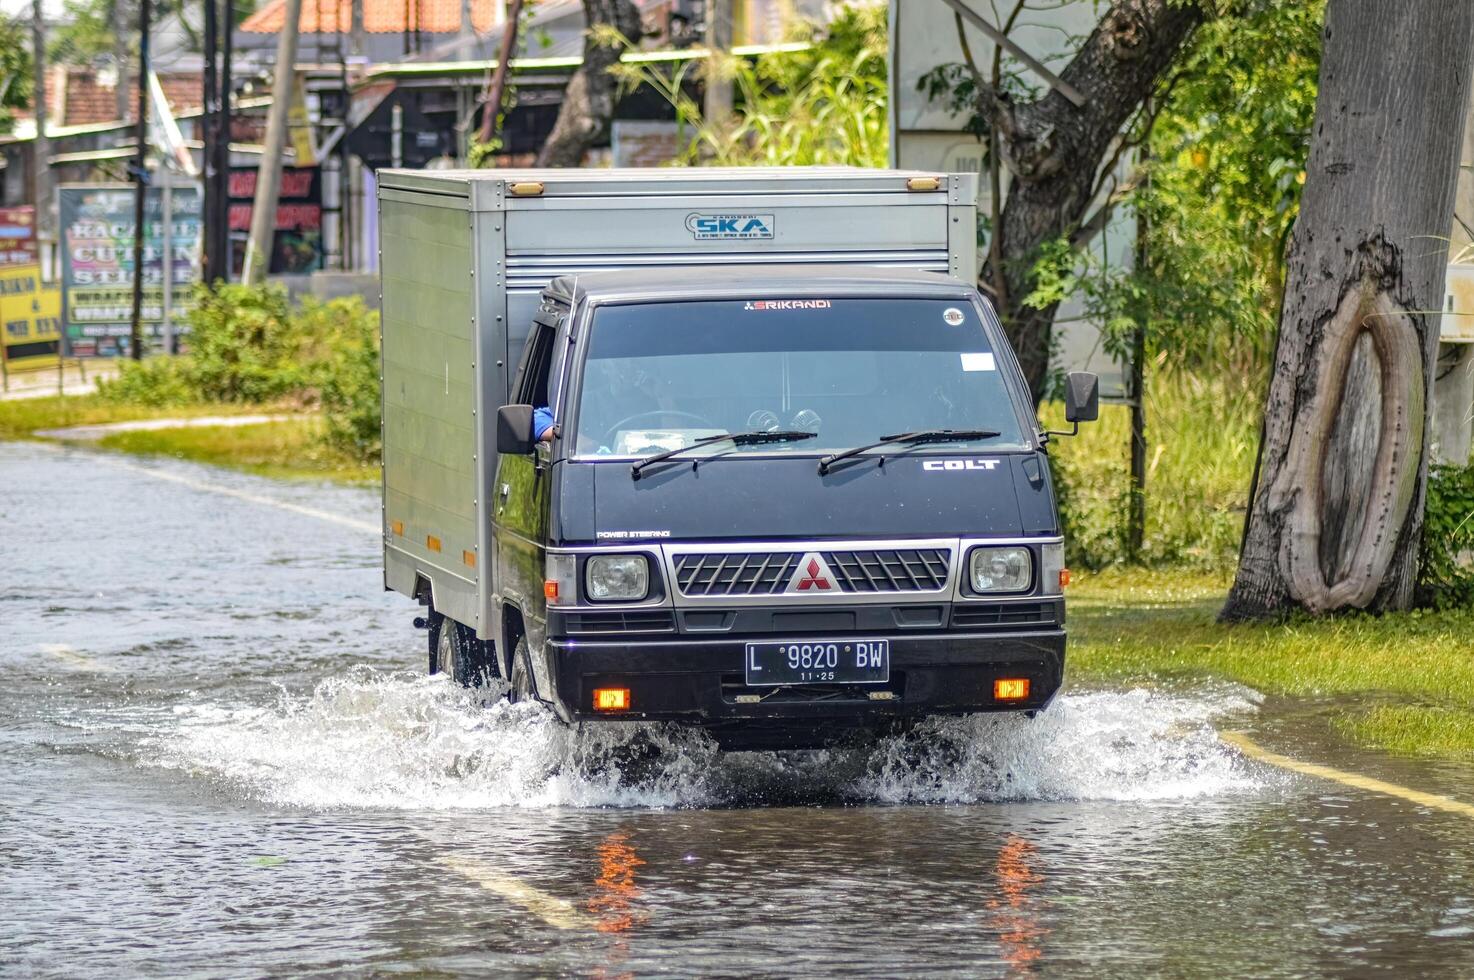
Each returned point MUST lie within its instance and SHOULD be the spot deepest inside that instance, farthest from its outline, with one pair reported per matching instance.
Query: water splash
(380, 739)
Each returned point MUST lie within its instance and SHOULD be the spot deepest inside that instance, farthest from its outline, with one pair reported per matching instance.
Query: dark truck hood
(768, 498)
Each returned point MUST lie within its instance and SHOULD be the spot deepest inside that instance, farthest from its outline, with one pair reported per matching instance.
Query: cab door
(521, 491)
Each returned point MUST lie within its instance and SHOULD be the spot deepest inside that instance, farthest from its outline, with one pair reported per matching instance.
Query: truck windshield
(660, 376)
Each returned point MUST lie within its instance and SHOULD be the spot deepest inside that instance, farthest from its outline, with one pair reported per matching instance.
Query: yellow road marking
(1433, 801)
(554, 911)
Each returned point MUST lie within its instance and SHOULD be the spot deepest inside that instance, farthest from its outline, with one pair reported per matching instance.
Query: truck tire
(522, 687)
(461, 656)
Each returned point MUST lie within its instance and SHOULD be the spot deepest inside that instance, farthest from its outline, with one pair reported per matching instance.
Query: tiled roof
(77, 96)
(379, 16)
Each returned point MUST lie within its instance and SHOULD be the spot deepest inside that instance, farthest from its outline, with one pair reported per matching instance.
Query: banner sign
(97, 264)
(297, 244)
(18, 236)
(30, 318)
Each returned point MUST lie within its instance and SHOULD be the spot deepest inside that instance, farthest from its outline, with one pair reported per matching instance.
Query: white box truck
(742, 449)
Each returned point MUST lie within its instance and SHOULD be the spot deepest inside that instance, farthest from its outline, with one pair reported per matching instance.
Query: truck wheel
(461, 656)
(522, 687)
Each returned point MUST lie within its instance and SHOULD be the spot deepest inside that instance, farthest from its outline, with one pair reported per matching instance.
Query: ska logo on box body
(728, 226)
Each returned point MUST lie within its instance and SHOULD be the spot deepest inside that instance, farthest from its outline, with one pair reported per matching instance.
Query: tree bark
(1336, 512)
(1054, 151)
(588, 101)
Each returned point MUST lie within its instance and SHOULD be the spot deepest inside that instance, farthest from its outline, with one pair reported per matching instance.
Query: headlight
(1001, 569)
(612, 578)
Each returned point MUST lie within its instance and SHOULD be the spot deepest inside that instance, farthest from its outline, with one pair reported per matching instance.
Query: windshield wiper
(908, 439)
(739, 438)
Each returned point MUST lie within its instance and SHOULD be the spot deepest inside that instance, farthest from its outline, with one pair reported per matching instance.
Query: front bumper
(700, 681)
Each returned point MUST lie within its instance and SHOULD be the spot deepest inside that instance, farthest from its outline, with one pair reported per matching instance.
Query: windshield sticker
(788, 304)
(708, 227)
(952, 316)
(978, 362)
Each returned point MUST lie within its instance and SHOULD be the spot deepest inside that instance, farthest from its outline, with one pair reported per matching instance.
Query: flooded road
(219, 757)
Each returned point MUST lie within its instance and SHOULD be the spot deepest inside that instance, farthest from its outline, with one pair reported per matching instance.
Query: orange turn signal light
(611, 699)
(550, 588)
(1064, 578)
(1010, 689)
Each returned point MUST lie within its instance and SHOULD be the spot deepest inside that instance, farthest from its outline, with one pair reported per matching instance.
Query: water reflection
(613, 902)
(615, 888)
(1021, 931)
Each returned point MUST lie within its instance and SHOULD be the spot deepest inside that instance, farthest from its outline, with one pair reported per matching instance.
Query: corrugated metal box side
(431, 429)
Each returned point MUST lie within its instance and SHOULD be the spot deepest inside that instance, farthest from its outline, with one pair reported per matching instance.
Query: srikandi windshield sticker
(952, 316)
(788, 304)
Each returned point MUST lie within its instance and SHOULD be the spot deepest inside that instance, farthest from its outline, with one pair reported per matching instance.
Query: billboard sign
(18, 236)
(30, 318)
(296, 246)
(97, 263)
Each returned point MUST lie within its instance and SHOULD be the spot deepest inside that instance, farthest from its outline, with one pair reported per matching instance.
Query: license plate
(818, 662)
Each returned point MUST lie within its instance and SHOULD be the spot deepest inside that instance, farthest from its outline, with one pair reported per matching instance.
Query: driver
(614, 390)
(544, 426)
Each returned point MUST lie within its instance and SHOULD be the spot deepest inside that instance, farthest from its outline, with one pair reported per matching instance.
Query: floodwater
(219, 757)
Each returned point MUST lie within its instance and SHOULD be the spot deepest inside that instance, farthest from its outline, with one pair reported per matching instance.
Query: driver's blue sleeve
(542, 421)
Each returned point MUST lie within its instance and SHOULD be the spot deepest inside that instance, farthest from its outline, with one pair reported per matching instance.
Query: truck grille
(768, 573)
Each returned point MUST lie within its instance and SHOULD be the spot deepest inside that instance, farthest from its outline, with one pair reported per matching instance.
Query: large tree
(1055, 149)
(1336, 510)
(589, 100)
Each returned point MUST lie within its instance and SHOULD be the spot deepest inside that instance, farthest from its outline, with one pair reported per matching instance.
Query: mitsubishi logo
(812, 573)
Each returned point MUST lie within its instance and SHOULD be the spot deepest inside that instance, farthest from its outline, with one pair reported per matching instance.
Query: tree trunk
(1337, 508)
(588, 101)
(1055, 150)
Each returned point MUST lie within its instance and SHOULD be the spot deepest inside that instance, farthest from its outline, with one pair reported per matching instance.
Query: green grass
(290, 449)
(1201, 441)
(1135, 625)
(20, 418)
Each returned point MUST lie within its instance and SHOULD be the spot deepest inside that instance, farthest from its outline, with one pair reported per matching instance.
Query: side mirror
(514, 430)
(1082, 397)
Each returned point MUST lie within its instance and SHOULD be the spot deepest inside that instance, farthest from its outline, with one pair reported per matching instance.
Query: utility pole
(1136, 514)
(215, 214)
(222, 146)
(268, 176)
(140, 177)
(41, 149)
(718, 79)
(209, 213)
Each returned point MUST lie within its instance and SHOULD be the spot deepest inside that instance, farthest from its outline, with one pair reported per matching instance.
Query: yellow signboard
(30, 319)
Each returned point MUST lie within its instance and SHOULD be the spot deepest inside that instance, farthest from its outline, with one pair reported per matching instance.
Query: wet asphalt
(219, 756)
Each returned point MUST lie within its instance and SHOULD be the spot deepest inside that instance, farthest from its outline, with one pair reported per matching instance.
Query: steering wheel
(702, 420)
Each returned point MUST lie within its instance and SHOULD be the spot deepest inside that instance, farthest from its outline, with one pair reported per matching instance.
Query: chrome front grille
(735, 574)
(891, 569)
(883, 570)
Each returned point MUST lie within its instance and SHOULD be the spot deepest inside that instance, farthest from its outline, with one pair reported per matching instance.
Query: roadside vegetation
(1400, 682)
(22, 418)
(251, 350)
(294, 448)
